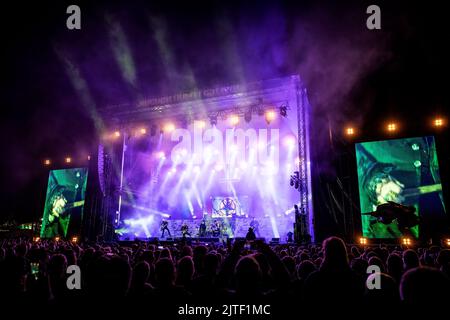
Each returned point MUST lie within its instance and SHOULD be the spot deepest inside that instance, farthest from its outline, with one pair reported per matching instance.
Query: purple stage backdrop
(232, 169)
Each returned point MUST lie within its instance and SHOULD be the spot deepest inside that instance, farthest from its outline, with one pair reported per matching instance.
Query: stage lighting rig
(270, 115)
(233, 119)
(169, 127)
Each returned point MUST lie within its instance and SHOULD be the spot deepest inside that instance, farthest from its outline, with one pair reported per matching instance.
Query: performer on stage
(216, 229)
(202, 229)
(185, 230)
(164, 228)
(254, 224)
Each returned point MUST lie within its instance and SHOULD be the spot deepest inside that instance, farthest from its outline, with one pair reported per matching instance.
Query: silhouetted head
(410, 259)
(335, 255)
(186, 251)
(387, 291)
(359, 267)
(185, 270)
(375, 261)
(305, 268)
(289, 264)
(248, 275)
(443, 259)
(164, 272)
(263, 263)
(199, 253)
(211, 264)
(425, 286)
(395, 266)
(119, 275)
(141, 272)
(57, 266)
(165, 253)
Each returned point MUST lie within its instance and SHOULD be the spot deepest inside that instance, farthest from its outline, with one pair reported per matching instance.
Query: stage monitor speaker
(275, 241)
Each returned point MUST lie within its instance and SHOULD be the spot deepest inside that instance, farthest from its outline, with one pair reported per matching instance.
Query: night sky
(132, 49)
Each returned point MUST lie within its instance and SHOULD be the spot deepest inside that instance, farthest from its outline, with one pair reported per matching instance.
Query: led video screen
(63, 210)
(404, 171)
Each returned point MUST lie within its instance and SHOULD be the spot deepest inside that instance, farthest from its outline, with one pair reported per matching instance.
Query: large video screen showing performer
(400, 171)
(63, 211)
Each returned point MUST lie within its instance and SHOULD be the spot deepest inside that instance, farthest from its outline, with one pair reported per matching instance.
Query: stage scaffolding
(255, 97)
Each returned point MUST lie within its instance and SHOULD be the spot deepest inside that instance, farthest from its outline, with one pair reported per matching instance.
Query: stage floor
(267, 228)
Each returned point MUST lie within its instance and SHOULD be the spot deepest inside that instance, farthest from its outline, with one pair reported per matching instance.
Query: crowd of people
(252, 272)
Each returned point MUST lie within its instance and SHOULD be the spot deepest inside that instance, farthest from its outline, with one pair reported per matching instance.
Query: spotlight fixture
(160, 155)
(233, 119)
(295, 180)
(289, 141)
(68, 160)
(391, 127)
(350, 131)
(270, 115)
(363, 241)
(117, 134)
(36, 239)
(438, 122)
(57, 239)
(446, 242)
(47, 162)
(406, 241)
(75, 239)
(169, 127)
(143, 131)
(200, 124)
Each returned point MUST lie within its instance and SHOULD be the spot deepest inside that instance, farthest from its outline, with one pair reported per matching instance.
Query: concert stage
(220, 154)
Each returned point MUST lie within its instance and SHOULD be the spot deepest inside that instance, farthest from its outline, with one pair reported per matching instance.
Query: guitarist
(164, 228)
(57, 218)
